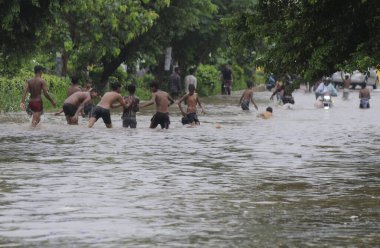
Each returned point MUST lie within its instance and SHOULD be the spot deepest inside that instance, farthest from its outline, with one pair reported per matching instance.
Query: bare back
(162, 102)
(35, 87)
(72, 89)
(364, 93)
(78, 98)
(109, 98)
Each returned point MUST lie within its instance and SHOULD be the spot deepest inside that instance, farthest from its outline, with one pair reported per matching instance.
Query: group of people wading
(79, 102)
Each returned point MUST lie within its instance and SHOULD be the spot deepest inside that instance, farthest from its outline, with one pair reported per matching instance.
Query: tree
(22, 23)
(310, 37)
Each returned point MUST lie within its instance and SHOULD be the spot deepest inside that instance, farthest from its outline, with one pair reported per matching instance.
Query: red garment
(35, 105)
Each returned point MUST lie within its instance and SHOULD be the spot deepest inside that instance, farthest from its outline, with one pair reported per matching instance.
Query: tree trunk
(65, 60)
(109, 67)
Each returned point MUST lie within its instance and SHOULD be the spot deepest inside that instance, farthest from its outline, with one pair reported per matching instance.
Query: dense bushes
(11, 90)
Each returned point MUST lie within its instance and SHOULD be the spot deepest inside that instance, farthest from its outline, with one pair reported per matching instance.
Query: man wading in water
(192, 99)
(34, 86)
(162, 101)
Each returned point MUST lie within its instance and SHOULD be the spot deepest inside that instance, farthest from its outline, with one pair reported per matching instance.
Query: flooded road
(305, 178)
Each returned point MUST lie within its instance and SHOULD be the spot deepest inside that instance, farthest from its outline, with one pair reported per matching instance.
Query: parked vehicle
(337, 78)
(357, 78)
(372, 78)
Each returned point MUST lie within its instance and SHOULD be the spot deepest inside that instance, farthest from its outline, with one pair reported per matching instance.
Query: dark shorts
(69, 109)
(364, 103)
(190, 118)
(288, 99)
(245, 105)
(98, 112)
(129, 122)
(35, 105)
(160, 118)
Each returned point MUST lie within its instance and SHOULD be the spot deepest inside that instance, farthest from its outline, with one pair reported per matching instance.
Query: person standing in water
(74, 87)
(364, 96)
(129, 112)
(75, 103)
(175, 83)
(227, 78)
(162, 100)
(346, 87)
(104, 106)
(35, 86)
(247, 97)
(192, 99)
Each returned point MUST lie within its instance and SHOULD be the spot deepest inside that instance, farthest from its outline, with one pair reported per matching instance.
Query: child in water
(247, 97)
(129, 112)
(267, 114)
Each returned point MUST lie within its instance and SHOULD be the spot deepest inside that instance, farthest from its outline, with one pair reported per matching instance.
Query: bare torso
(364, 93)
(346, 83)
(247, 94)
(162, 101)
(192, 101)
(109, 98)
(35, 86)
(72, 89)
(78, 98)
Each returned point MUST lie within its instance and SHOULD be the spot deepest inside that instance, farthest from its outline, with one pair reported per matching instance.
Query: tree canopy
(309, 37)
(304, 37)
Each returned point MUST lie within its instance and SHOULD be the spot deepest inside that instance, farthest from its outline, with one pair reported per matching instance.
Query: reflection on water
(307, 177)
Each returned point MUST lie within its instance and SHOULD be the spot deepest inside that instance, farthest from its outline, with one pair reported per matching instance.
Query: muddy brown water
(305, 178)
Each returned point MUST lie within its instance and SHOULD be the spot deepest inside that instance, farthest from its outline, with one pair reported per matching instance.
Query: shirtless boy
(267, 114)
(247, 97)
(74, 87)
(104, 106)
(364, 96)
(192, 99)
(162, 101)
(34, 86)
(75, 103)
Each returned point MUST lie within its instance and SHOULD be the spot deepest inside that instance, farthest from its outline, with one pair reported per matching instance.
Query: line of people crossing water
(78, 103)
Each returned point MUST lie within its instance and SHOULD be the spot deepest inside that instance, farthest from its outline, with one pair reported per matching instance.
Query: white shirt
(190, 79)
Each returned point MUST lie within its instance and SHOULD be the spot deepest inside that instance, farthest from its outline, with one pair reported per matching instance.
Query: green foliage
(240, 79)
(142, 85)
(308, 38)
(11, 90)
(208, 80)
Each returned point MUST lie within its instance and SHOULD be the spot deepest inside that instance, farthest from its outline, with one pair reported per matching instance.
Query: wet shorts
(364, 103)
(98, 112)
(69, 109)
(190, 118)
(245, 105)
(129, 122)
(35, 105)
(160, 118)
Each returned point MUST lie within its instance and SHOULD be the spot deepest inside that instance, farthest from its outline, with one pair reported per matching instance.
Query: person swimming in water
(247, 97)
(266, 114)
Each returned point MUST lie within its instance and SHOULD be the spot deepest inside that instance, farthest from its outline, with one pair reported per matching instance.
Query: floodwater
(305, 178)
